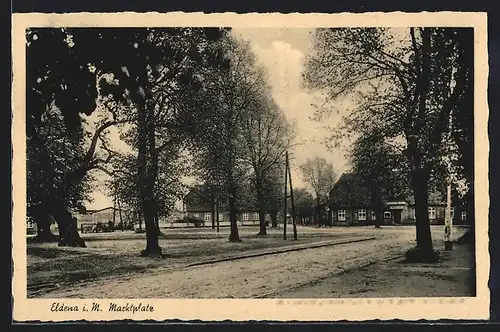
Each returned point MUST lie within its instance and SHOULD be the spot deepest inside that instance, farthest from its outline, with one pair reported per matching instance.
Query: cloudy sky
(282, 52)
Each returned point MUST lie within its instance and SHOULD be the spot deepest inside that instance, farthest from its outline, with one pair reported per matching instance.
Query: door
(397, 217)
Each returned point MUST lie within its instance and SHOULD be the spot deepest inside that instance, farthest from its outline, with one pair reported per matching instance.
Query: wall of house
(353, 216)
(436, 218)
(407, 216)
(250, 218)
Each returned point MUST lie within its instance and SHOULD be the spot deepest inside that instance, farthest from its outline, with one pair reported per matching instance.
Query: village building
(197, 206)
(87, 220)
(350, 205)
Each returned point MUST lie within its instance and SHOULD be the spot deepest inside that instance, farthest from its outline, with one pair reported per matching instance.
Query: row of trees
(413, 95)
(184, 101)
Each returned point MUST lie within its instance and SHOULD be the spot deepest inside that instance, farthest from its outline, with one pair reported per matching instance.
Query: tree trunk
(425, 250)
(157, 222)
(233, 216)
(318, 213)
(152, 245)
(141, 218)
(212, 202)
(120, 215)
(147, 170)
(378, 216)
(68, 232)
(52, 203)
(42, 221)
(262, 210)
(44, 233)
(262, 221)
(377, 206)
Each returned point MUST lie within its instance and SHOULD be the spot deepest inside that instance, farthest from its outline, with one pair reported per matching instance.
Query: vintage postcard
(279, 167)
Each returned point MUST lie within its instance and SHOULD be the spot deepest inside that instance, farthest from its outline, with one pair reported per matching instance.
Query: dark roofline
(106, 208)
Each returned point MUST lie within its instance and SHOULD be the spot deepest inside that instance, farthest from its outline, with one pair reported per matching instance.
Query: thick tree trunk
(317, 214)
(44, 233)
(147, 171)
(52, 203)
(157, 222)
(212, 203)
(152, 245)
(42, 221)
(140, 219)
(262, 221)
(424, 250)
(378, 216)
(377, 207)
(68, 232)
(262, 211)
(233, 216)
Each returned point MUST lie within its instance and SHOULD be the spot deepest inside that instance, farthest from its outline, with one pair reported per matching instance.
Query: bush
(191, 220)
(415, 255)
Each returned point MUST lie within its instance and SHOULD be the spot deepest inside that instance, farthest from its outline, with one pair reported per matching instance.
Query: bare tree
(267, 135)
(320, 176)
(229, 96)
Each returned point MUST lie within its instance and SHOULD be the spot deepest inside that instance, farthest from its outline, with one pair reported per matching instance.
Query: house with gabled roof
(350, 205)
(198, 205)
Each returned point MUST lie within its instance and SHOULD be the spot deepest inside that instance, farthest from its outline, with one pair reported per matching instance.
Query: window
(362, 214)
(245, 216)
(387, 214)
(341, 215)
(432, 212)
(374, 217)
(207, 217)
(412, 213)
(255, 216)
(196, 215)
(221, 216)
(463, 215)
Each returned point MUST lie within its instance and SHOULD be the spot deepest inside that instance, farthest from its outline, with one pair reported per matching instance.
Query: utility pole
(288, 177)
(217, 214)
(286, 198)
(294, 223)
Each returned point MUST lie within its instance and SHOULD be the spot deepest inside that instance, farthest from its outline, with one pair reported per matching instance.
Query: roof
(198, 200)
(103, 209)
(350, 190)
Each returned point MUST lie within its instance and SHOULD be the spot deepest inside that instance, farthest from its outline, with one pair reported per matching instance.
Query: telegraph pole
(217, 215)
(286, 197)
(291, 198)
(288, 177)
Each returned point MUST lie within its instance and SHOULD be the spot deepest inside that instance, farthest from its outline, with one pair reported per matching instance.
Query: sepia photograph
(250, 162)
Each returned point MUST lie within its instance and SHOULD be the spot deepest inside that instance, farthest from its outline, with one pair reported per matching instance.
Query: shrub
(191, 220)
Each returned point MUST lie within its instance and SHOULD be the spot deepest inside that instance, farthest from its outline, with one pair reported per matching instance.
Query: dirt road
(258, 277)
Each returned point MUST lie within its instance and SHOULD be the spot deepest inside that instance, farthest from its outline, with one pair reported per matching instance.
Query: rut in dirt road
(248, 278)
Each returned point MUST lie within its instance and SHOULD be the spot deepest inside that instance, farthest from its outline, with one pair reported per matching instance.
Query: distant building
(103, 216)
(197, 206)
(350, 205)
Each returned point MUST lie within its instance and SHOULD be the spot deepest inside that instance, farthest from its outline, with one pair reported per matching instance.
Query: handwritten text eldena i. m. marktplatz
(96, 307)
